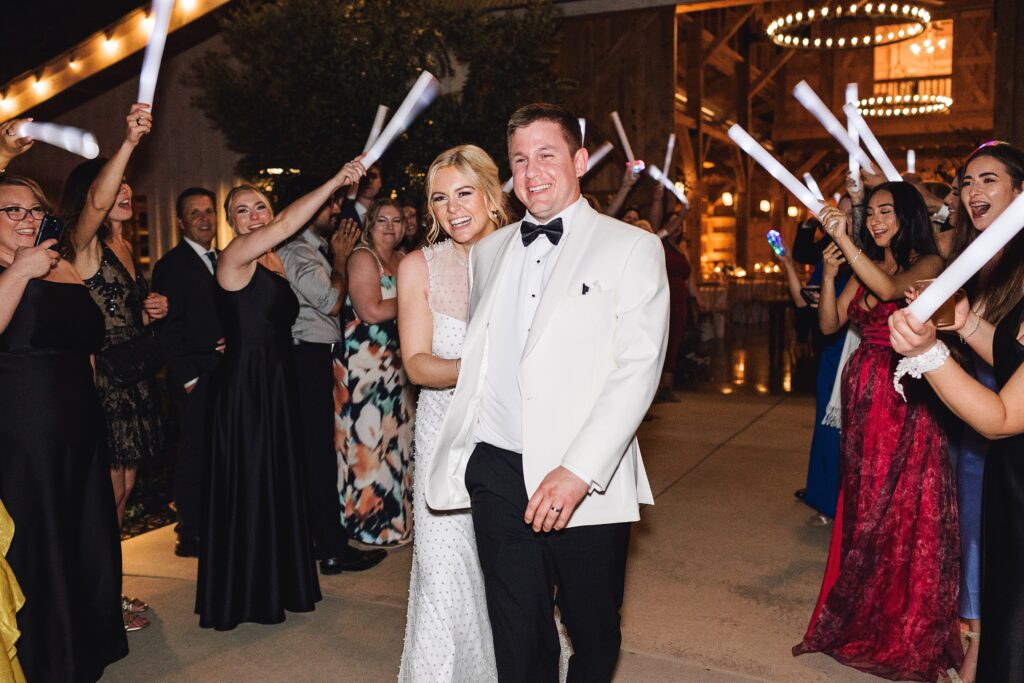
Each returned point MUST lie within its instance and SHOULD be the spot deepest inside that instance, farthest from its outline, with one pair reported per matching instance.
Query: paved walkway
(723, 574)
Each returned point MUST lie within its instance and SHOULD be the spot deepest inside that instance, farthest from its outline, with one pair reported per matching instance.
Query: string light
(882, 106)
(790, 30)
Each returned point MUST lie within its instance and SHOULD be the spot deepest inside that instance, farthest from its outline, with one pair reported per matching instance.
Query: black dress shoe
(187, 546)
(352, 560)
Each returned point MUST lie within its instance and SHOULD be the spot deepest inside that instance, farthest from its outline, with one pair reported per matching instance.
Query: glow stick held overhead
(812, 103)
(774, 167)
(872, 143)
(851, 130)
(507, 187)
(635, 164)
(812, 185)
(161, 13)
(776, 243)
(668, 154)
(375, 128)
(599, 154)
(911, 161)
(74, 140)
(656, 173)
(982, 250)
(422, 93)
(583, 129)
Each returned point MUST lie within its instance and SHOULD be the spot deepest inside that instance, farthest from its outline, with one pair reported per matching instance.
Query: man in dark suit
(193, 341)
(366, 195)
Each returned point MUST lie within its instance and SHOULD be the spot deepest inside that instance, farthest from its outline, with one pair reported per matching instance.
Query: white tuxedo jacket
(588, 373)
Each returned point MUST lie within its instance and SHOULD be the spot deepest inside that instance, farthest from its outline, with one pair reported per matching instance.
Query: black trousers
(195, 411)
(314, 371)
(522, 570)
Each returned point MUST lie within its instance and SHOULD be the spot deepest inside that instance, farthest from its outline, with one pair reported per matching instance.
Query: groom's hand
(555, 500)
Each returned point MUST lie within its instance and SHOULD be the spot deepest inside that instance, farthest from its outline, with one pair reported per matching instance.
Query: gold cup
(945, 315)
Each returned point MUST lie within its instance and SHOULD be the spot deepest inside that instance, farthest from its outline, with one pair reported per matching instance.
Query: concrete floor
(724, 572)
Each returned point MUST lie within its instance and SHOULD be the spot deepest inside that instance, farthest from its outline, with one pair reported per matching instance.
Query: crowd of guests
(918, 476)
(283, 357)
(301, 356)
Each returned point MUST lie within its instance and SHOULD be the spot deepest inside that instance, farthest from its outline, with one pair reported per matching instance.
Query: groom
(567, 333)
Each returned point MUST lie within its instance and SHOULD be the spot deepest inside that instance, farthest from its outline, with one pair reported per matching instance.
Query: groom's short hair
(542, 111)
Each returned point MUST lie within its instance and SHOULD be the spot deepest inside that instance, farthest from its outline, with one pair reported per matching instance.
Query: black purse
(132, 361)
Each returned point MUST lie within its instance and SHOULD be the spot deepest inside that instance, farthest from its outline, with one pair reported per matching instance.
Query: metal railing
(931, 85)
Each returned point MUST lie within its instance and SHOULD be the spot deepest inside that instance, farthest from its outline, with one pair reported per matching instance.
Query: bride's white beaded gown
(447, 634)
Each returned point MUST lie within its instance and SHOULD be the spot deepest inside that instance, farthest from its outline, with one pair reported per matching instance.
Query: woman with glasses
(53, 472)
(96, 203)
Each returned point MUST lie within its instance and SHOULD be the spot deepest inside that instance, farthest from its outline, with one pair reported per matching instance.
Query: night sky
(45, 28)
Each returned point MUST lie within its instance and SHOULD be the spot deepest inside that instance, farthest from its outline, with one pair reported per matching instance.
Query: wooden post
(1009, 106)
(744, 190)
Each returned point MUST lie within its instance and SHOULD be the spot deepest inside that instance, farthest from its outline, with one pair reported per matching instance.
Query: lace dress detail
(448, 634)
(134, 430)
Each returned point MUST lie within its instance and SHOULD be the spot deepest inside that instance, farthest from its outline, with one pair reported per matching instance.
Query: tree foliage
(300, 80)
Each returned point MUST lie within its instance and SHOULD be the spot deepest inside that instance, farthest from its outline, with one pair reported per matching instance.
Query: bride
(448, 634)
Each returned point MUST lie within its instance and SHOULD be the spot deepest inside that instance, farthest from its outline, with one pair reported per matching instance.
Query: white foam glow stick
(871, 142)
(599, 154)
(583, 130)
(375, 128)
(378, 125)
(668, 154)
(161, 13)
(636, 165)
(851, 130)
(422, 93)
(812, 185)
(775, 168)
(911, 161)
(656, 173)
(75, 140)
(812, 103)
(988, 243)
(507, 187)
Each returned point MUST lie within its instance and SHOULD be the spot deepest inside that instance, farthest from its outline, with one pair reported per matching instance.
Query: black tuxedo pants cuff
(522, 571)
(314, 370)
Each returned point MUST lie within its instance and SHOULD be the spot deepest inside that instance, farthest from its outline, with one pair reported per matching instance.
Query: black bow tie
(531, 231)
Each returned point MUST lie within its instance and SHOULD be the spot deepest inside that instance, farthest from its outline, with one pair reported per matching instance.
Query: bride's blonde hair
(482, 172)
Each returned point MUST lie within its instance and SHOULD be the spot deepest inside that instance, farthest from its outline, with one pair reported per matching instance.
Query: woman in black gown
(54, 479)
(999, 417)
(256, 557)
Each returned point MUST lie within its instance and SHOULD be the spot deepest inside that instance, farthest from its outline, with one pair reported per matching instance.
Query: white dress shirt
(500, 421)
(202, 251)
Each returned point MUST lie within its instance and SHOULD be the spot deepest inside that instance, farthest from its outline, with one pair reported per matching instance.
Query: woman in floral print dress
(373, 429)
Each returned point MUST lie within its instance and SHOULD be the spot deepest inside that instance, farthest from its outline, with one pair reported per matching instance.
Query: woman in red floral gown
(888, 602)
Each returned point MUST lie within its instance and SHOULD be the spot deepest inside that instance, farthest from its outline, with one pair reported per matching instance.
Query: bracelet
(964, 337)
(915, 366)
(855, 257)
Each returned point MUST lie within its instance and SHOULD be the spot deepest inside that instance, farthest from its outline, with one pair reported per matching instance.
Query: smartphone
(50, 228)
(811, 294)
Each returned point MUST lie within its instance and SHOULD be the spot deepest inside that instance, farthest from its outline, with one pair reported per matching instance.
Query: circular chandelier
(819, 28)
(904, 105)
